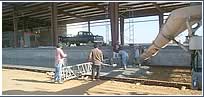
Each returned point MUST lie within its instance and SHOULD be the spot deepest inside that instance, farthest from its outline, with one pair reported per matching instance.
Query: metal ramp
(75, 71)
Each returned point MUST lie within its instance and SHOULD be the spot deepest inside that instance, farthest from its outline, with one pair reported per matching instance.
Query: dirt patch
(19, 82)
(171, 74)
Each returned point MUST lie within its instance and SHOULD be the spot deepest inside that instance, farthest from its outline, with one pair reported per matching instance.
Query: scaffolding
(131, 27)
(107, 25)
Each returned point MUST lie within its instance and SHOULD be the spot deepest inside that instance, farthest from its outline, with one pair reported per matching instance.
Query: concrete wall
(44, 57)
(171, 56)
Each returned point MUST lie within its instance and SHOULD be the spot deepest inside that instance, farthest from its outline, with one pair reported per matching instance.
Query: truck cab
(85, 36)
(82, 37)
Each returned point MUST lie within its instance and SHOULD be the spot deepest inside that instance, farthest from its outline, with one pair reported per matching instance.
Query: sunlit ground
(19, 82)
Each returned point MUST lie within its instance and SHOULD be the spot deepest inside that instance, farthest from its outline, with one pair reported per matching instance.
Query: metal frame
(75, 71)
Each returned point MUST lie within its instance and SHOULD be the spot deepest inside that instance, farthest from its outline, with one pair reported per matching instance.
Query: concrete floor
(159, 73)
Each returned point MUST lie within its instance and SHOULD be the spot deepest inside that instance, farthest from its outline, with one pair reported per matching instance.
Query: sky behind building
(136, 30)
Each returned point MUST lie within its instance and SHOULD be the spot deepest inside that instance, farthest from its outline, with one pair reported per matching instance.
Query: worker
(116, 50)
(116, 57)
(96, 57)
(59, 61)
(124, 57)
(136, 57)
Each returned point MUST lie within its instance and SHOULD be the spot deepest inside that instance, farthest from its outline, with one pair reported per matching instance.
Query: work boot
(97, 78)
(51, 81)
(139, 65)
(125, 68)
(56, 82)
(60, 82)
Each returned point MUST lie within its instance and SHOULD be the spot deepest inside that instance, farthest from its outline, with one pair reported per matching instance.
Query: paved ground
(19, 82)
(170, 74)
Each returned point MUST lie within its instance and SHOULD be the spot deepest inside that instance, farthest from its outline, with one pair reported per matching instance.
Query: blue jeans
(124, 61)
(58, 72)
(98, 69)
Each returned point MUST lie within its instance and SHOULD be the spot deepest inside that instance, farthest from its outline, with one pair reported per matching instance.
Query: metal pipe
(175, 24)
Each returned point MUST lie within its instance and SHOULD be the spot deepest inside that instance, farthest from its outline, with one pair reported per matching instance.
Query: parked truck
(81, 37)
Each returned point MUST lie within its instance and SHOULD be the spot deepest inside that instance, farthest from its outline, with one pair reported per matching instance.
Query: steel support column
(161, 20)
(15, 28)
(114, 22)
(122, 30)
(54, 34)
(89, 26)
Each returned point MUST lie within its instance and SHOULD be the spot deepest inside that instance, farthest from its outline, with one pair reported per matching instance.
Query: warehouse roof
(72, 12)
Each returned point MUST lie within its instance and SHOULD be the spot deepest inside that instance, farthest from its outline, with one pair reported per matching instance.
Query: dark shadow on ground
(136, 93)
(35, 81)
(79, 90)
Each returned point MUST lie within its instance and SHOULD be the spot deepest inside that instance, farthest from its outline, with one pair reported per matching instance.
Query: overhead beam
(138, 13)
(127, 6)
(101, 7)
(36, 7)
(161, 16)
(26, 15)
(157, 7)
(69, 14)
(27, 10)
(97, 15)
(28, 19)
(73, 5)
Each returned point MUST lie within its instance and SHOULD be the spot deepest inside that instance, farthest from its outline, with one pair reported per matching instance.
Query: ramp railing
(75, 71)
